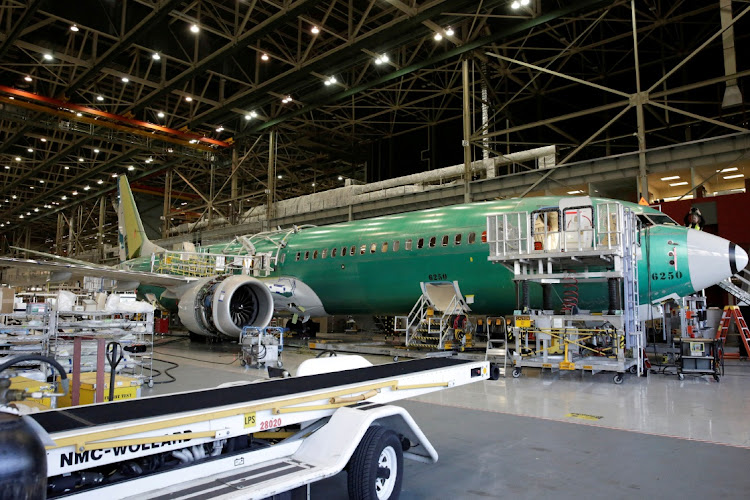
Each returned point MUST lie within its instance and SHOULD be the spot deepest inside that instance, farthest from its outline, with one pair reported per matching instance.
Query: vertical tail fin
(132, 237)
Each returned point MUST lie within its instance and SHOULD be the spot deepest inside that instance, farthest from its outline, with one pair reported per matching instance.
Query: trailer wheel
(375, 468)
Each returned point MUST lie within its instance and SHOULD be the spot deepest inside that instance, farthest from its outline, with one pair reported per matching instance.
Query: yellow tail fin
(132, 237)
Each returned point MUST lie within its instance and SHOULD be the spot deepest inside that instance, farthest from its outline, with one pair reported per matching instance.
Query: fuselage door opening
(578, 223)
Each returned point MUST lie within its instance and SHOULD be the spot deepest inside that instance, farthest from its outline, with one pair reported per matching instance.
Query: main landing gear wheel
(618, 378)
(374, 471)
(516, 372)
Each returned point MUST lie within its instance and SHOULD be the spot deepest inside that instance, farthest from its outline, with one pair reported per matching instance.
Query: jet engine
(224, 304)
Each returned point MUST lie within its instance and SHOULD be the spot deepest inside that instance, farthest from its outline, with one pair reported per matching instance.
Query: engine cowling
(225, 304)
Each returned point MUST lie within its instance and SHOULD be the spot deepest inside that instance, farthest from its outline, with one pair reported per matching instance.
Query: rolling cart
(700, 357)
(261, 346)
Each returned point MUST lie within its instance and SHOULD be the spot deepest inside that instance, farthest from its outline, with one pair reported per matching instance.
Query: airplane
(377, 266)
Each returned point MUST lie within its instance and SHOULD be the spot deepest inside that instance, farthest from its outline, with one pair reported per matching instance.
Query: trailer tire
(379, 453)
(494, 372)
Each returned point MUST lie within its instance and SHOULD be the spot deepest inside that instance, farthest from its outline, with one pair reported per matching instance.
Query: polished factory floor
(545, 434)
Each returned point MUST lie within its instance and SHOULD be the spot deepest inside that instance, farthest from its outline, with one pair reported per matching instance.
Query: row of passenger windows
(432, 242)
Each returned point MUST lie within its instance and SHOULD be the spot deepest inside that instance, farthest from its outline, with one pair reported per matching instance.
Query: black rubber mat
(122, 411)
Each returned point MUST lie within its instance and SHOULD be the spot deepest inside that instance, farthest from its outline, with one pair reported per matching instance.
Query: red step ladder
(733, 313)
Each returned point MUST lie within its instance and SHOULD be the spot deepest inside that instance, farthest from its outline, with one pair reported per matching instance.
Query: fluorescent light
(683, 183)
(670, 178)
(730, 169)
(578, 191)
(735, 176)
(194, 28)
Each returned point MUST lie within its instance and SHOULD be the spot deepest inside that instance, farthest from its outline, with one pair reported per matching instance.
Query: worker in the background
(694, 219)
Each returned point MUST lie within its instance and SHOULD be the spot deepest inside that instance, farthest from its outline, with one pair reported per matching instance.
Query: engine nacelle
(225, 304)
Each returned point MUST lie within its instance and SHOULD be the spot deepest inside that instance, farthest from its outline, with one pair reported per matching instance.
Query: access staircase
(742, 295)
(733, 313)
(437, 319)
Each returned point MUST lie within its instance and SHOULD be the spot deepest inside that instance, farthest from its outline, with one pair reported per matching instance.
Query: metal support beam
(271, 188)
(467, 130)
(167, 202)
(640, 121)
(100, 229)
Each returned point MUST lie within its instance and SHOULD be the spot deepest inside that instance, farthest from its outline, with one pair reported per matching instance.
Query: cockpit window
(651, 219)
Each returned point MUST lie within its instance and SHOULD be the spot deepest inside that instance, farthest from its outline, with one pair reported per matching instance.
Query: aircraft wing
(121, 275)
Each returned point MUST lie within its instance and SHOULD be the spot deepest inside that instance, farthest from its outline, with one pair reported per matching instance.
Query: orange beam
(113, 117)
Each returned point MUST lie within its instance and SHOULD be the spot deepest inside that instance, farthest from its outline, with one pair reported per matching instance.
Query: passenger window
(324, 253)
(362, 249)
(343, 251)
(315, 254)
(457, 239)
(472, 238)
(298, 254)
(445, 240)
(395, 246)
(353, 250)
(420, 243)
(432, 242)
(374, 247)
(384, 247)
(407, 245)
(307, 255)
(333, 252)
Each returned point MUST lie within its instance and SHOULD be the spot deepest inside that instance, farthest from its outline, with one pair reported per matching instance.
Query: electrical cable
(166, 371)
(196, 359)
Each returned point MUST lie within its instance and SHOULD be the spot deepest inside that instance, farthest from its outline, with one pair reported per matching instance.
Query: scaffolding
(574, 243)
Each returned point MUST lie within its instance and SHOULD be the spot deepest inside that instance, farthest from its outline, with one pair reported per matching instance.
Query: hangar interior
(241, 118)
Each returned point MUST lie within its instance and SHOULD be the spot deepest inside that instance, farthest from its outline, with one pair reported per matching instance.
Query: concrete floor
(546, 434)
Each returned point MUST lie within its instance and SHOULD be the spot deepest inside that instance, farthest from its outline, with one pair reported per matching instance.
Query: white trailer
(252, 440)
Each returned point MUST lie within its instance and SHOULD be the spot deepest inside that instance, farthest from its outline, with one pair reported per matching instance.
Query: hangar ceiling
(197, 98)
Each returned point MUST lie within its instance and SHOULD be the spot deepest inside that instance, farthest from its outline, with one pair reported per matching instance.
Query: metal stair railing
(742, 296)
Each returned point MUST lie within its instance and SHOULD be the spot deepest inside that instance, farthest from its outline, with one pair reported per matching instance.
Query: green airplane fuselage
(383, 274)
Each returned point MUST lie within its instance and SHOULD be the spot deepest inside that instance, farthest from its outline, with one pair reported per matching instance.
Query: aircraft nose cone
(740, 257)
(712, 259)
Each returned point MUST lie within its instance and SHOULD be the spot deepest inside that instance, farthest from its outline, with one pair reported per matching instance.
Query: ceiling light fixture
(735, 176)
(160, 114)
(287, 99)
(99, 98)
(64, 197)
(683, 183)
(670, 178)
(155, 56)
(41, 181)
(220, 129)
(74, 28)
(438, 37)
(27, 78)
(100, 181)
(86, 188)
(79, 115)
(341, 177)
(66, 167)
(125, 79)
(330, 81)
(7, 167)
(96, 151)
(314, 30)
(114, 175)
(30, 150)
(80, 159)
(194, 28)
(279, 176)
(75, 193)
(449, 31)
(18, 158)
(43, 139)
(731, 169)
(131, 168)
(264, 57)
(48, 57)
(188, 98)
